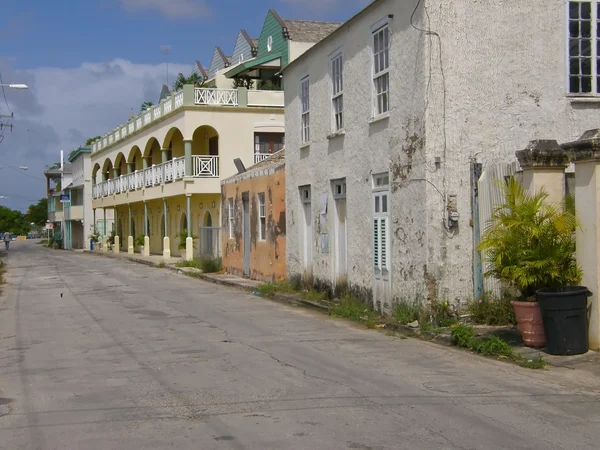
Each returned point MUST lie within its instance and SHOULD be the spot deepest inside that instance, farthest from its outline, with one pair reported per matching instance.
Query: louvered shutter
(376, 243)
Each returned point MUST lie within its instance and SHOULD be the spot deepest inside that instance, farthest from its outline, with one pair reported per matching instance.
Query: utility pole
(166, 50)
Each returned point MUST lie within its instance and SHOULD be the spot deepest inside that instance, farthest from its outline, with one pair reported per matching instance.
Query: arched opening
(208, 236)
(152, 152)
(205, 141)
(174, 142)
(121, 164)
(107, 169)
(207, 219)
(95, 172)
(135, 158)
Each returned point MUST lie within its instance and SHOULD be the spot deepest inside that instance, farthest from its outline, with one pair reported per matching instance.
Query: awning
(271, 61)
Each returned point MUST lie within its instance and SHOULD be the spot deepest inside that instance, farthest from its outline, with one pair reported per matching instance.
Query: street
(100, 353)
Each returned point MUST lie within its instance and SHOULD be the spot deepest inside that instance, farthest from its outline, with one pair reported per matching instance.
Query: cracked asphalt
(100, 353)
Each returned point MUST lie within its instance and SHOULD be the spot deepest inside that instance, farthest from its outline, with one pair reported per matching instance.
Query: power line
(4, 94)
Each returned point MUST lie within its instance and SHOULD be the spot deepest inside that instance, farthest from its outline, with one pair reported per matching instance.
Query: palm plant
(530, 243)
(183, 235)
(181, 80)
(146, 106)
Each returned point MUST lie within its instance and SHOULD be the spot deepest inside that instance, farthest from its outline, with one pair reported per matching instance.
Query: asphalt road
(98, 353)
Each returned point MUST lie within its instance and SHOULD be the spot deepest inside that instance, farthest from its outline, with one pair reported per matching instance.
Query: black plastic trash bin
(564, 313)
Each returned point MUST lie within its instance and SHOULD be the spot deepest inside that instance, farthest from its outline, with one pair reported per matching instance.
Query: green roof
(249, 65)
(75, 153)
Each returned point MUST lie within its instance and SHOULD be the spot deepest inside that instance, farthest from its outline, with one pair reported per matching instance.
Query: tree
(13, 221)
(91, 140)
(181, 80)
(146, 105)
(38, 213)
(246, 82)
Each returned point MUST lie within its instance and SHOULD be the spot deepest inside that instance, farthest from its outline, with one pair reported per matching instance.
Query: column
(166, 239)
(189, 241)
(130, 246)
(585, 153)
(104, 236)
(187, 148)
(115, 172)
(146, 237)
(544, 163)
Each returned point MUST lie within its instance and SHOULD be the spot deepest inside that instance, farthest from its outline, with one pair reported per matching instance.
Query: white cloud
(175, 9)
(328, 5)
(62, 108)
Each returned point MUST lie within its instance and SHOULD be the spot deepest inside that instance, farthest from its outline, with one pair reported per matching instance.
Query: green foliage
(463, 336)
(194, 79)
(406, 312)
(162, 265)
(352, 308)
(90, 141)
(13, 221)
(493, 346)
(207, 264)
(139, 241)
(246, 82)
(535, 362)
(491, 311)
(182, 237)
(95, 236)
(111, 237)
(269, 85)
(267, 289)
(146, 106)
(529, 243)
(2, 272)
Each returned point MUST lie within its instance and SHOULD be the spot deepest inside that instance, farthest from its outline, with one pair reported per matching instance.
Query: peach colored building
(253, 224)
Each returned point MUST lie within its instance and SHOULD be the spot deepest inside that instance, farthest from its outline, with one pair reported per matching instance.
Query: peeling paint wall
(490, 78)
(267, 257)
(395, 145)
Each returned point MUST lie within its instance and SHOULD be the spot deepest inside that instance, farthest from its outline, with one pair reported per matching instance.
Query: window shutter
(383, 242)
(376, 243)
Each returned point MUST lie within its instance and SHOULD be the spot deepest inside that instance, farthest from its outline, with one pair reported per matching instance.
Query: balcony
(258, 157)
(167, 172)
(190, 96)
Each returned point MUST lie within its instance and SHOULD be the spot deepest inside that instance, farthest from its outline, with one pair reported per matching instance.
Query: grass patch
(314, 296)
(464, 336)
(2, 272)
(405, 312)
(207, 264)
(269, 289)
(491, 311)
(351, 308)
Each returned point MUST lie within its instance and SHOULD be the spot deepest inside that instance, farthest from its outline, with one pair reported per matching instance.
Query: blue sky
(88, 62)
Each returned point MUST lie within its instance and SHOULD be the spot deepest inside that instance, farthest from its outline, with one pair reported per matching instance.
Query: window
(305, 194)
(241, 58)
(381, 64)
(304, 112)
(337, 91)
(583, 47)
(231, 218)
(262, 217)
(270, 43)
(380, 225)
(381, 181)
(268, 142)
(339, 188)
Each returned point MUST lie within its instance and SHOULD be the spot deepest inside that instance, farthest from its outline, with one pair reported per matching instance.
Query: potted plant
(139, 243)
(94, 239)
(530, 245)
(111, 238)
(182, 238)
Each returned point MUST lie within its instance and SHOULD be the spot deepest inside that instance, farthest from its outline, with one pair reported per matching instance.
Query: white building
(392, 117)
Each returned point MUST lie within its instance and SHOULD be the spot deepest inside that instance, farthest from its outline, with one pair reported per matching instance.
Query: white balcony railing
(258, 157)
(173, 170)
(227, 97)
(205, 166)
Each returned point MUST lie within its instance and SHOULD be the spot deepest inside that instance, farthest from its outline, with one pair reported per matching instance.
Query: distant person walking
(7, 240)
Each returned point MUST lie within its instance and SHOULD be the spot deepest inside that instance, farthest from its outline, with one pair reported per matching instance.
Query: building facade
(160, 172)
(391, 119)
(254, 223)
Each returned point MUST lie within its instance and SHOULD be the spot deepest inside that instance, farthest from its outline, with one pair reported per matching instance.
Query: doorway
(246, 232)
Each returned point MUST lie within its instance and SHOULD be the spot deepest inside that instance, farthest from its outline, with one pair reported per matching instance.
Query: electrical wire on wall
(434, 35)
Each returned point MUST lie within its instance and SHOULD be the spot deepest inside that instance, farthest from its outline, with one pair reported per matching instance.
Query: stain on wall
(267, 256)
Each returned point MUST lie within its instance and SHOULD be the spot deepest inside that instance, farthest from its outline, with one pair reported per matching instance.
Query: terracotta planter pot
(529, 320)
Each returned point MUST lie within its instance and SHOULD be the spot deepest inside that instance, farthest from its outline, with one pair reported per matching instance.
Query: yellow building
(160, 172)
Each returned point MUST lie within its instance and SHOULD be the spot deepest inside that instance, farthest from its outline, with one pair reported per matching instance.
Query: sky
(89, 62)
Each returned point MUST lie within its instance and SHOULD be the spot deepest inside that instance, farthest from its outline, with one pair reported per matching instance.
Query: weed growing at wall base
(207, 264)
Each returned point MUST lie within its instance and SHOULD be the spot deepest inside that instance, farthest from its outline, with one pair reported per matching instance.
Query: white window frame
(231, 217)
(262, 217)
(305, 110)
(269, 43)
(381, 221)
(305, 194)
(336, 90)
(593, 48)
(339, 188)
(380, 102)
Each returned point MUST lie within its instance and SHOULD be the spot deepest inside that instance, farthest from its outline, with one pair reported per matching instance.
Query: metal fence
(210, 241)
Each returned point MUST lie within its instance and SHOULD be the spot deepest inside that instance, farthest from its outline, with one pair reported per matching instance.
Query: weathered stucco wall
(395, 144)
(267, 257)
(504, 83)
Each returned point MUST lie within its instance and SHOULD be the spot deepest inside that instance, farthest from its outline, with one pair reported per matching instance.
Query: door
(381, 245)
(246, 232)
